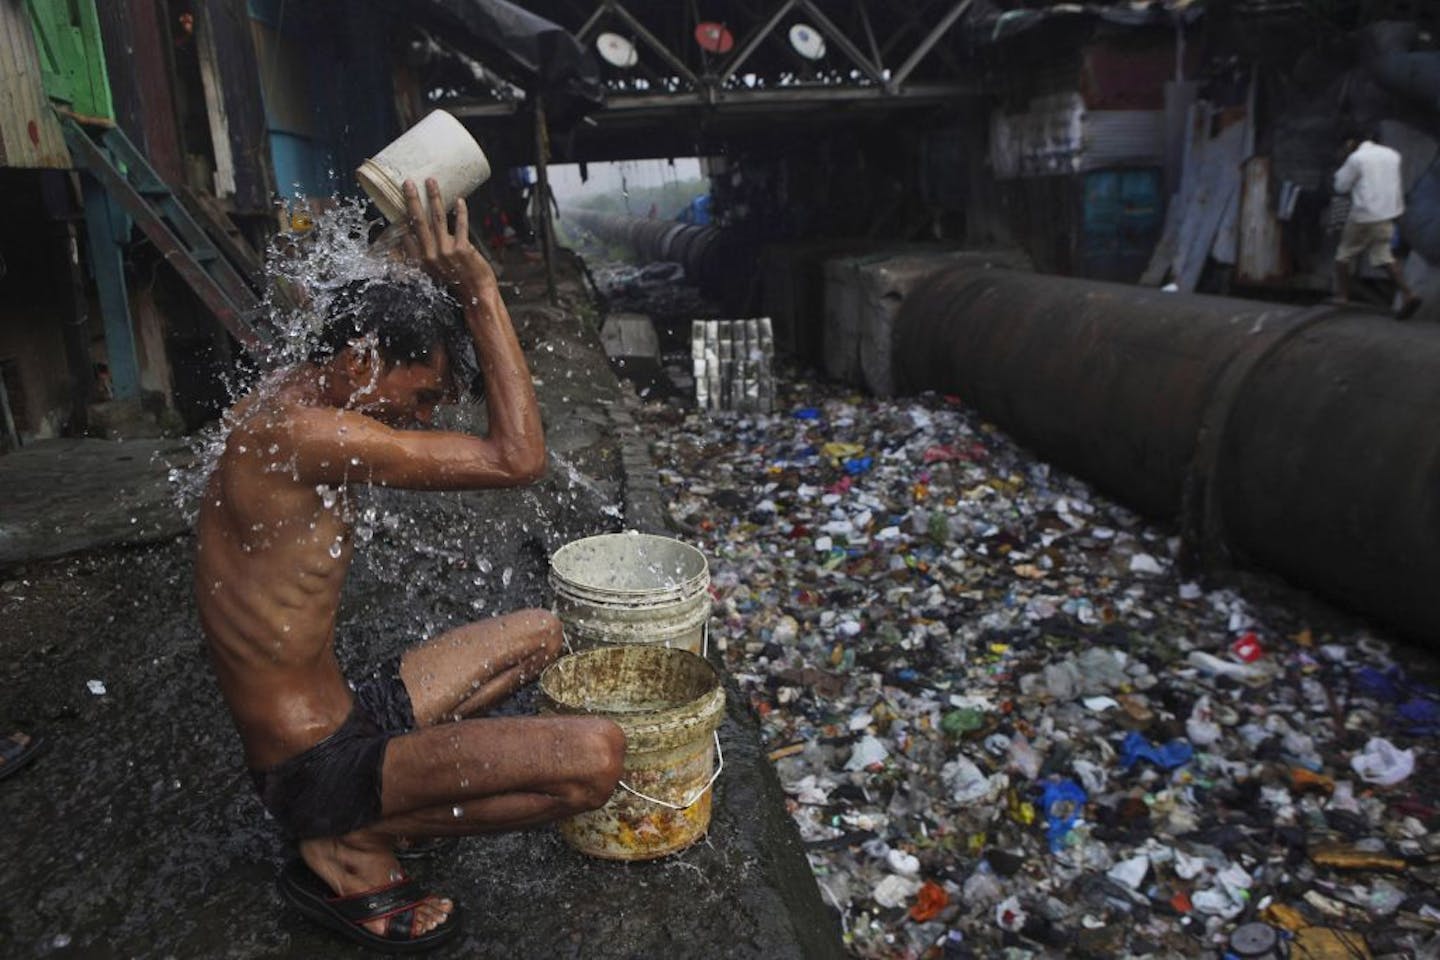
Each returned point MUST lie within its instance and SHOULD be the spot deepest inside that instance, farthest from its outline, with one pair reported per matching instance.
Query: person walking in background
(1370, 176)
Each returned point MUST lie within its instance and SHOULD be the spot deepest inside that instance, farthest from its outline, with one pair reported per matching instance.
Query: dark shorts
(334, 787)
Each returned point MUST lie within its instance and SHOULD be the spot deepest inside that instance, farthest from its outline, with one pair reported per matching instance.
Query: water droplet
(336, 550)
(458, 812)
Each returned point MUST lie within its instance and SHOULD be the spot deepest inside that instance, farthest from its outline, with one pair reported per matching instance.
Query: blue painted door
(1122, 215)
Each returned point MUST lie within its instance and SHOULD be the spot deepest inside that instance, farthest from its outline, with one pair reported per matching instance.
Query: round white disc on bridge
(616, 50)
(807, 41)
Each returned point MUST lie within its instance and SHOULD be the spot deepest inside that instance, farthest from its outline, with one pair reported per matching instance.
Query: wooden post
(542, 186)
(9, 436)
(76, 330)
(59, 191)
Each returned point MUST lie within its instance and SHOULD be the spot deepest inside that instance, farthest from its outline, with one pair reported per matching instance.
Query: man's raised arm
(338, 446)
(510, 402)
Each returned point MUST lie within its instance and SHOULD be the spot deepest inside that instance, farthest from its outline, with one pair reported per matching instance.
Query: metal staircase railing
(121, 168)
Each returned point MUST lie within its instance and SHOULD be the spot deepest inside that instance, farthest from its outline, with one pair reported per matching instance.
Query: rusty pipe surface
(1298, 439)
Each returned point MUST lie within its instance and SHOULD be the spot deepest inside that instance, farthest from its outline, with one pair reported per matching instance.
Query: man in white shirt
(1371, 176)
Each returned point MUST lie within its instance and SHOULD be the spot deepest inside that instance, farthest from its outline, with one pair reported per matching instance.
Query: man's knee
(547, 631)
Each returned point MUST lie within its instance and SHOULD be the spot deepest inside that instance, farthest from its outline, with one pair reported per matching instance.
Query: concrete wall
(32, 282)
(34, 308)
(31, 346)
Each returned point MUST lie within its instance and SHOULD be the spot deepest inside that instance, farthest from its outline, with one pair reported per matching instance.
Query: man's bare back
(347, 772)
(271, 561)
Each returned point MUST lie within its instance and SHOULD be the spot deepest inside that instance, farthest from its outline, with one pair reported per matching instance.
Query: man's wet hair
(408, 320)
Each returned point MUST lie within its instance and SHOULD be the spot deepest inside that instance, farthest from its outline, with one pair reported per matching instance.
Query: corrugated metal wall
(225, 29)
(1044, 140)
(302, 160)
(29, 134)
(139, 69)
(1129, 138)
(1058, 135)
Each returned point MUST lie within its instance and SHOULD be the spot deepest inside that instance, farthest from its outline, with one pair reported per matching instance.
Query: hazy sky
(606, 177)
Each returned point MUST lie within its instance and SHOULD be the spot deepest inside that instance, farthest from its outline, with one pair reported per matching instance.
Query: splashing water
(447, 561)
(305, 272)
(577, 479)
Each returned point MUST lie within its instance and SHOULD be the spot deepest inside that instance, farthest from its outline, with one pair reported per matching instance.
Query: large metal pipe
(710, 255)
(1302, 440)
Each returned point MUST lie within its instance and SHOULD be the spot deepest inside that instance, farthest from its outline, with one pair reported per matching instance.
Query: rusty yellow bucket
(669, 702)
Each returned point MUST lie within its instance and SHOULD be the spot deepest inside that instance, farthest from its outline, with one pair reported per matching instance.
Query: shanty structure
(149, 150)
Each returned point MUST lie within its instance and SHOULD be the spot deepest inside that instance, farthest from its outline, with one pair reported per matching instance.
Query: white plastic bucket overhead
(438, 146)
(632, 588)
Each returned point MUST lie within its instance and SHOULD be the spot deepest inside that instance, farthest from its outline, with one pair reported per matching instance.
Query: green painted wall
(72, 59)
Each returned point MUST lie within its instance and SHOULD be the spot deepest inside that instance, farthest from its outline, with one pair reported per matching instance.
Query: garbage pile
(1007, 725)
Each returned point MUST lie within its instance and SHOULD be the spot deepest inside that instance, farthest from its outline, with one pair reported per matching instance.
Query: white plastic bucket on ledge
(438, 146)
(632, 588)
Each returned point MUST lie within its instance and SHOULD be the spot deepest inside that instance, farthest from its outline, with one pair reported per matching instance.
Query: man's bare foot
(358, 862)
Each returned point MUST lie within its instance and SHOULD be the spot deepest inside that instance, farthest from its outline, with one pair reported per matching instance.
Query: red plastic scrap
(945, 452)
(1415, 807)
(1248, 648)
(931, 899)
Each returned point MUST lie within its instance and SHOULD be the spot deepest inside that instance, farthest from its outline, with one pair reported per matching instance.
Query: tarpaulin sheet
(538, 54)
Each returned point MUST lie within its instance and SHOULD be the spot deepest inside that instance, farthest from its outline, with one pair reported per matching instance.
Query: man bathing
(349, 771)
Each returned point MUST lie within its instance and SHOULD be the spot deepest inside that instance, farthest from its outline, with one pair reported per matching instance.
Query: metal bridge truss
(877, 52)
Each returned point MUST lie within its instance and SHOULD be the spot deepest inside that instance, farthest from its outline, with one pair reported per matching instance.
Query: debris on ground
(1008, 726)
(648, 289)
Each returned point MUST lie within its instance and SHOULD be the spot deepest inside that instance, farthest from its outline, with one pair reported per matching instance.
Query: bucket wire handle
(720, 765)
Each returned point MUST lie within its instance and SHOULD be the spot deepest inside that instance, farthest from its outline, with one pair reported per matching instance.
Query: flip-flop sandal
(393, 902)
(427, 847)
(14, 755)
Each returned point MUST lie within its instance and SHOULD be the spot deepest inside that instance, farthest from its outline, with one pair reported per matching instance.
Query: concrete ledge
(66, 495)
(139, 834)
